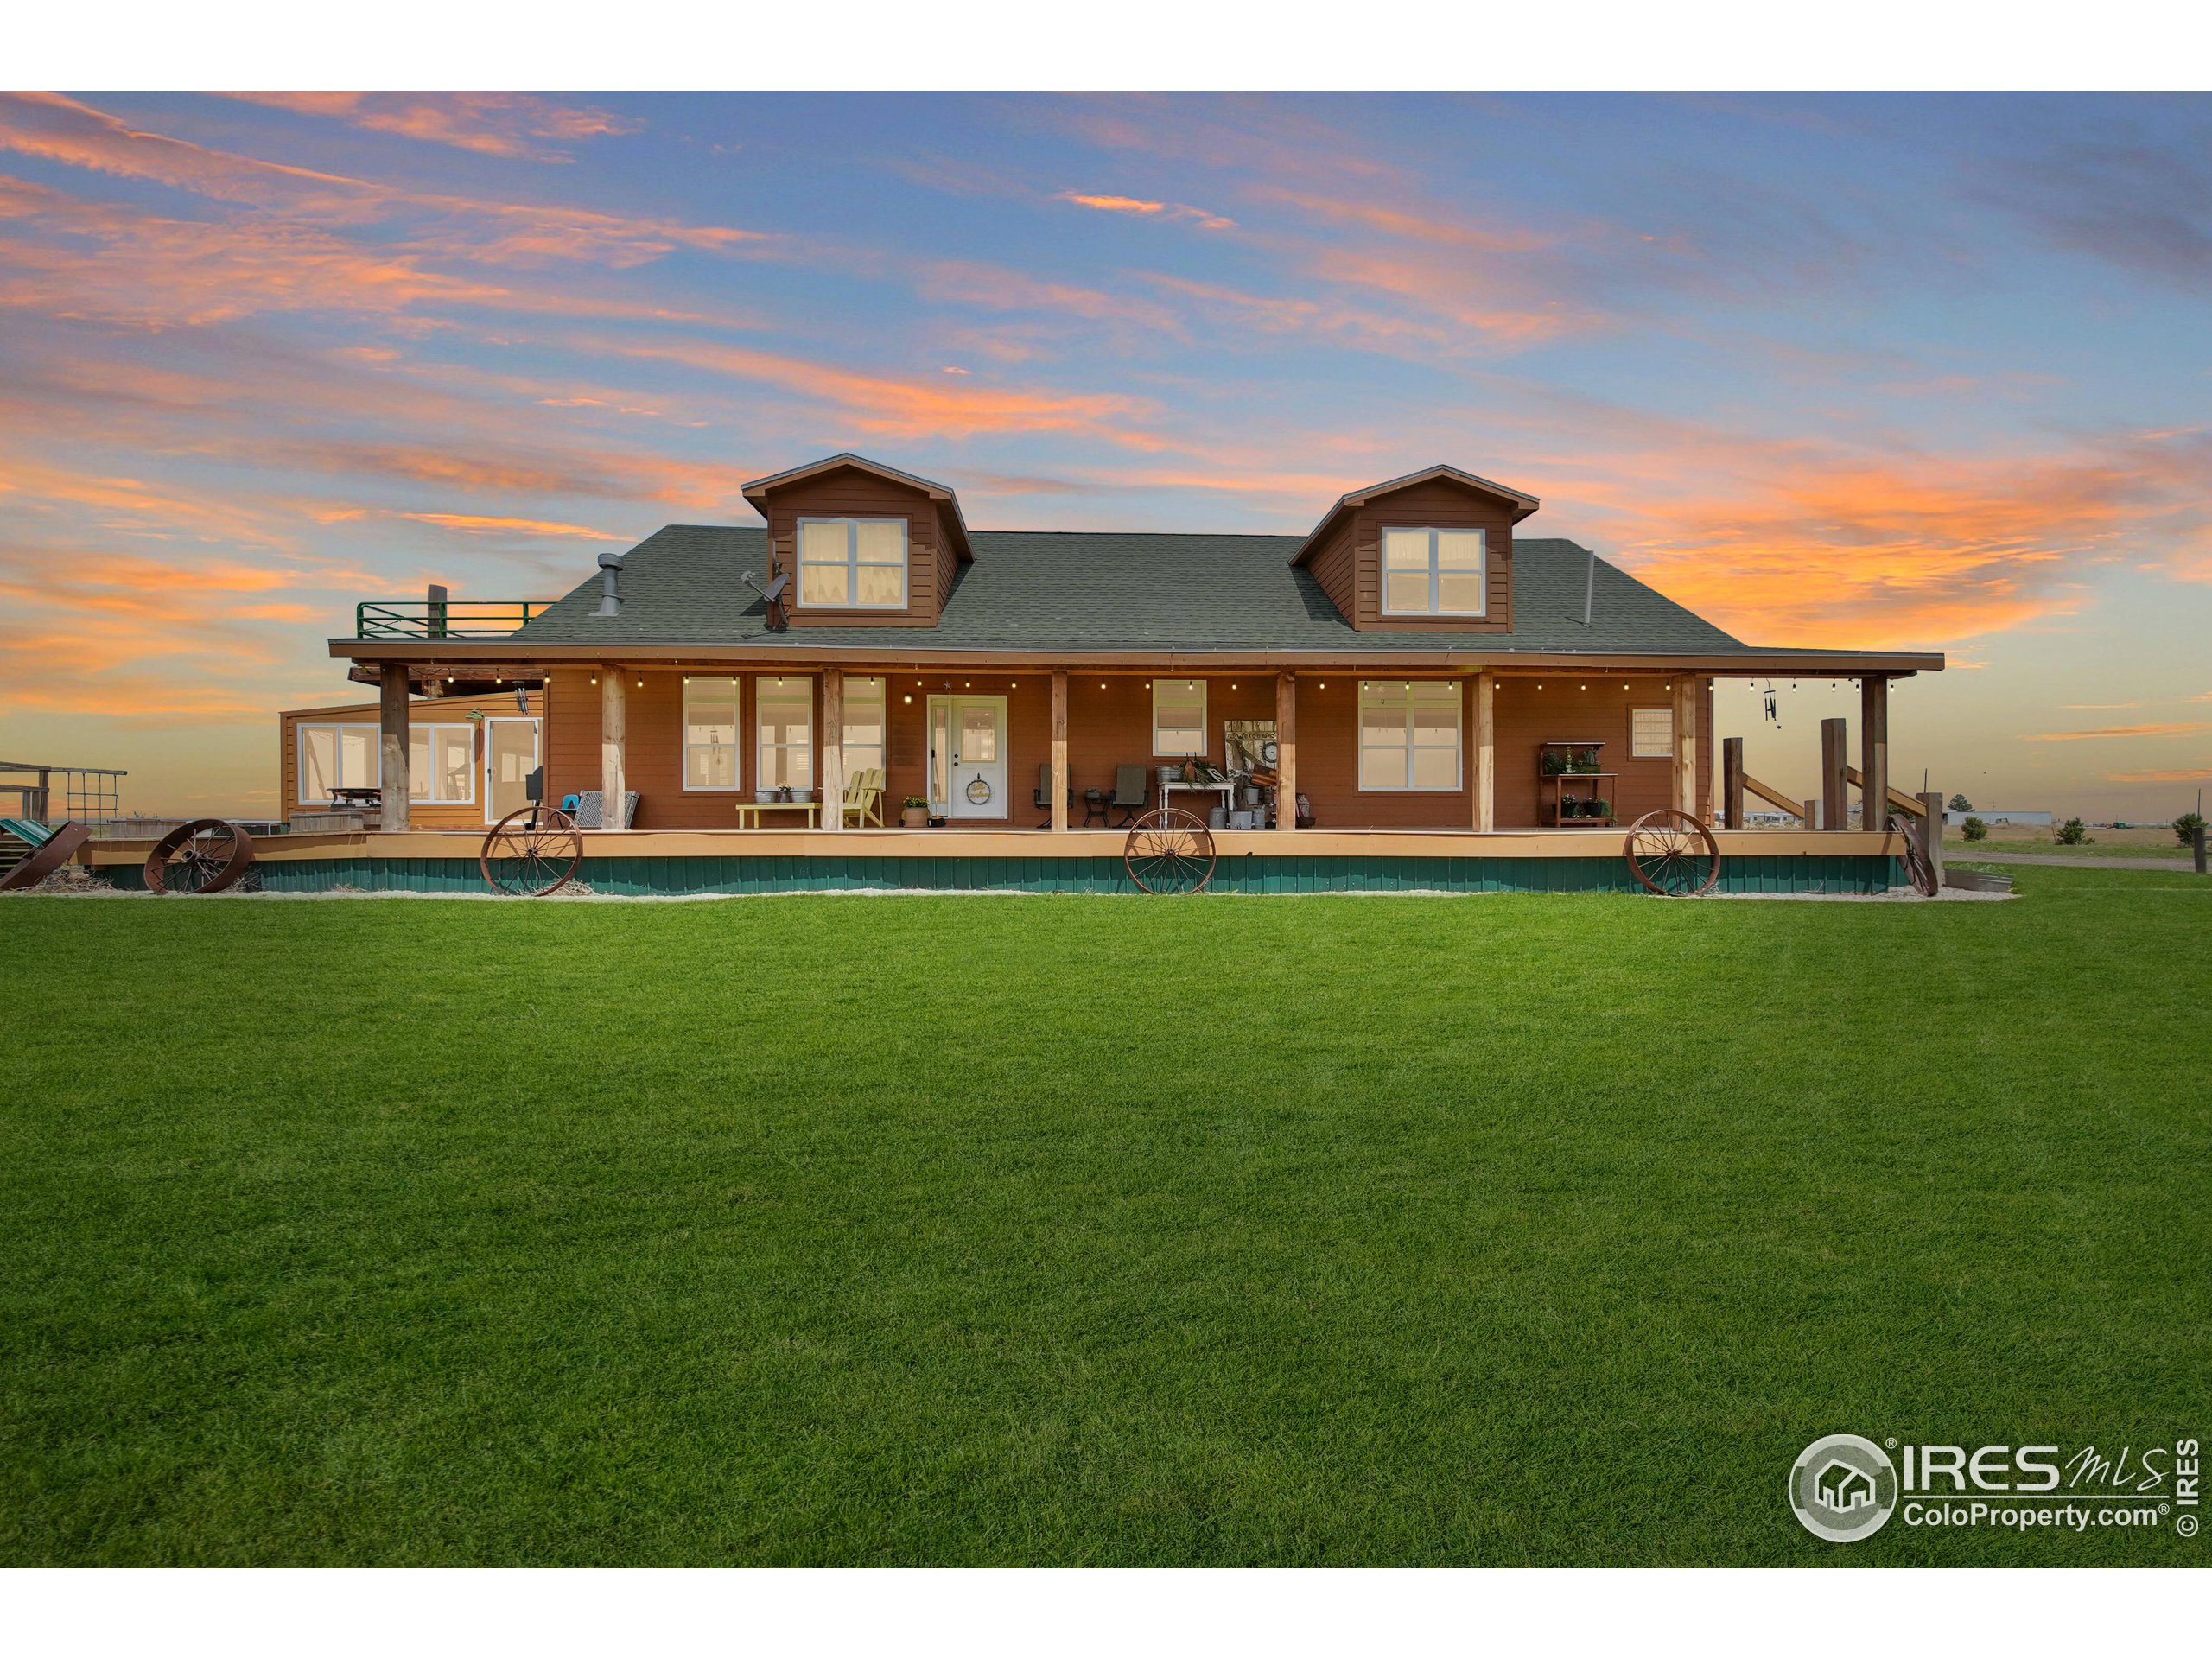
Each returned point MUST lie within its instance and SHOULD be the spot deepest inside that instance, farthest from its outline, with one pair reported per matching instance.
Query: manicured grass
(1008, 1230)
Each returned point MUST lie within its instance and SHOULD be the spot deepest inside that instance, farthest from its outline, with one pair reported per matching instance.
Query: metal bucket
(1217, 818)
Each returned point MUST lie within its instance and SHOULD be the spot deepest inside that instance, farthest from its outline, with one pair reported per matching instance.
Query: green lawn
(1957, 845)
(1111, 1230)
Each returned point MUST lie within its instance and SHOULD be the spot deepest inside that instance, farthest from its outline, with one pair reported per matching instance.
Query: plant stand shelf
(1564, 761)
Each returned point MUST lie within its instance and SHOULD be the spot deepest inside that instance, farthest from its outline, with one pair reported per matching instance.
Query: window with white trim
(337, 757)
(442, 765)
(710, 731)
(782, 715)
(1179, 717)
(852, 563)
(1408, 734)
(863, 733)
(1429, 572)
(1651, 733)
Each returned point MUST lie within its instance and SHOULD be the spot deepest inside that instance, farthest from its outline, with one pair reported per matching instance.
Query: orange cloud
(906, 408)
(491, 124)
(59, 129)
(1176, 210)
(477, 524)
(2170, 729)
(2200, 774)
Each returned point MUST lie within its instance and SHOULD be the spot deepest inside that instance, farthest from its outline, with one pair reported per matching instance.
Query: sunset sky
(1907, 371)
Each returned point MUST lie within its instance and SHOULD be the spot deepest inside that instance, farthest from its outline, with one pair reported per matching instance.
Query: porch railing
(443, 619)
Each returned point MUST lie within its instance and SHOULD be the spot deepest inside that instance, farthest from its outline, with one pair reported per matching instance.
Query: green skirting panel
(1242, 873)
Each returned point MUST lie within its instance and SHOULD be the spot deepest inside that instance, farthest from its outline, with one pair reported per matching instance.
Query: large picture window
(1408, 734)
(1432, 572)
(852, 563)
(783, 711)
(442, 765)
(1179, 717)
(336, 757)
(863, 735)
(709, 732)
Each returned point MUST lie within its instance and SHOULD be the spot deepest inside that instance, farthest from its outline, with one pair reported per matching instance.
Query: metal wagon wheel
(533, 851)
(1169, 850)
(1673, 853)
(205, 855)
(1918, 869)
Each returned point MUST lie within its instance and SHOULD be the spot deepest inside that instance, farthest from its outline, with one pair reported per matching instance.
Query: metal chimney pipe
(1589, 589)
(610, 598)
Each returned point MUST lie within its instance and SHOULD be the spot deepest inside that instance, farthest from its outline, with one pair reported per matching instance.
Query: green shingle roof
(1061, 591)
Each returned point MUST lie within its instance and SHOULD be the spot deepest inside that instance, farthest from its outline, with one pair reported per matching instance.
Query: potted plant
(914, 814)
(1554, 762)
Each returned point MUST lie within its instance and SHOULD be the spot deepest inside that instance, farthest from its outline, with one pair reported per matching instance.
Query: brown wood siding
(420, 711)
(1332, 566)
(1109, 724)
(848, 493)
(1328, 763)
(1534, 709)
(1438, 504)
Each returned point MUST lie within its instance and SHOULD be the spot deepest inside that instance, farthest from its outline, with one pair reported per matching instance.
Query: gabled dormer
(864, 545)
(1430, 552)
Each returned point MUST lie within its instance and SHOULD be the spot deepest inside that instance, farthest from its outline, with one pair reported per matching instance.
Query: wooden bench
(748, 812)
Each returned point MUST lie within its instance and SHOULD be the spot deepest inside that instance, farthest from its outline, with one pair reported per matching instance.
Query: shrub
(1975, 829)
(2186, 826)
(2074, 833)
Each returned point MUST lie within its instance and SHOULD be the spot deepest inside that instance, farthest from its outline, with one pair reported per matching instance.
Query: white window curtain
(709, 732)
(1651, 733)
(1432, 572)
(1179, 717)
(337, 757)
(852, 562)
(863, 733)
(442, 765)
(1408, 734)
(783, 723)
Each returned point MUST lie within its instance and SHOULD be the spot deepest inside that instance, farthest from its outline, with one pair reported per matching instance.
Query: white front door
(970, 734)
(510, 756)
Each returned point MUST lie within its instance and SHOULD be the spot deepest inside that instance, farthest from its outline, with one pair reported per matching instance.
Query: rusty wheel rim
(1169, 850)
(203, 856)
(1917, 870)
(531, 852)
(1673, 853)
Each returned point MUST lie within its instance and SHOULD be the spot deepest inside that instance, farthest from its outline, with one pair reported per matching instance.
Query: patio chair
(1042, 797)
(1131, 789)
(864, 797)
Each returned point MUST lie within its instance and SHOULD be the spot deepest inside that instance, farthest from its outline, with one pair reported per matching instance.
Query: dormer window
(852, 563)
(1433, 573)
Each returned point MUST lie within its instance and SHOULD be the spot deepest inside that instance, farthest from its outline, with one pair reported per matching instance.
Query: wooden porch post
(1931, 830)
(392, 774)
(1873, 751)
(1684, 792)
(1060, 750)
(833, 746)
(1486, 751)
(1287, 752)
(1835, 804)
(1732, 782)
(613, 746)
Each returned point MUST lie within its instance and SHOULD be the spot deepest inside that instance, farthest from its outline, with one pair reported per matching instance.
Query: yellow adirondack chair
(864, 797)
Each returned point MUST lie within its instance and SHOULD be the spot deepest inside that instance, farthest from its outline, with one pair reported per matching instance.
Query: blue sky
(1894, 370)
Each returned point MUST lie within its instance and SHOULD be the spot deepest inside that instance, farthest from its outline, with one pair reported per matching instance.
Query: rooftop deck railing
(443, 619)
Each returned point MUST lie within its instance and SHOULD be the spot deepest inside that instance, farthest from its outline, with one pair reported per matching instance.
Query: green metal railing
(443, 619)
